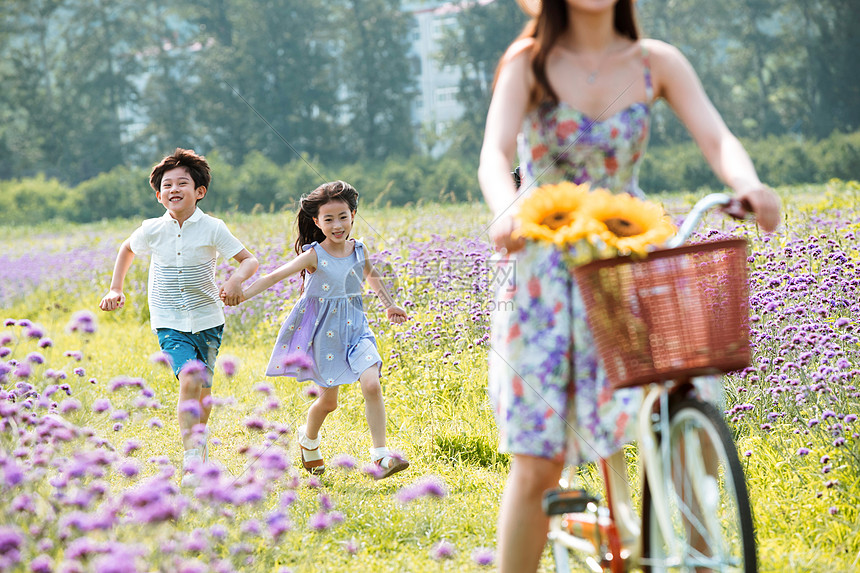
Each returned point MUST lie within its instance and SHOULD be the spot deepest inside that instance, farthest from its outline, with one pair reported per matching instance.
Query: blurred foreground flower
(443, 550)
(427, 486)
(297, 361)
(229, 364)
(82, 321)
(483, 556)
(161, 358)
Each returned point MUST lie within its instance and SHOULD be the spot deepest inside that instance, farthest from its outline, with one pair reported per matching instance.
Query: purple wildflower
(257, 424)
(218, 531)
(483, 556)
(191, 407)
(69, 405)
(155, 423)
(263, 388)
(320, 521)
(443, 550)
(297, 361)
(82, 321)
(23, 370)
(373, 470)
(129, 468)
(130, 446)
(41, 564)
(35, 358)
(312, 390)
(161, 358)
(46, 343)
(10, 541)
(428, 486)
(278, 524)
(351, 546)
(34, 331)
(343, 461)
(193, 368)
(229, 364)
(288, 498)
(251, 527)
(803, 451)
(326, 502)
(74, 354)
(193, 566)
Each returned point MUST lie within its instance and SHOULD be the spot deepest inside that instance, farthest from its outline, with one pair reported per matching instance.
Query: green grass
(438, 415)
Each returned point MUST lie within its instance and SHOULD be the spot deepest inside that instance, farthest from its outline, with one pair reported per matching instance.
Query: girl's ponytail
(308, 230)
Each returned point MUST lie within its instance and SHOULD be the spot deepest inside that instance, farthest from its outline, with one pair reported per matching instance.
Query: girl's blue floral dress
(328, 325)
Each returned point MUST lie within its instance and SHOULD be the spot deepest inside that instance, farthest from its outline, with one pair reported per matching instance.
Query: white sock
(378, 453)
(306, 442)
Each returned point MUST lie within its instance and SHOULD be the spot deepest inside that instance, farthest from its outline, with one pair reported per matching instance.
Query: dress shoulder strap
(646, 64)
(309, 246)
(360, 253)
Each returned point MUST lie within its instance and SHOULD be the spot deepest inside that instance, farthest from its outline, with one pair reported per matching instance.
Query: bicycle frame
(604, 550)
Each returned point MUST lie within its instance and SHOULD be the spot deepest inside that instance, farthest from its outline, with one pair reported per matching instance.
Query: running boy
(185, 305)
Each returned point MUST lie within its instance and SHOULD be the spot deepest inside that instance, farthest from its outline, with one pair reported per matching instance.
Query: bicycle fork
(653, 459)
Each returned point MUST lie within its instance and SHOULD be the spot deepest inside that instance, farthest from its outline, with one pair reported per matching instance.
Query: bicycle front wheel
(710, 526)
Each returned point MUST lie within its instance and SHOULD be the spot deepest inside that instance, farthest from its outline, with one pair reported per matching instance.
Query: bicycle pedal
(559, 501)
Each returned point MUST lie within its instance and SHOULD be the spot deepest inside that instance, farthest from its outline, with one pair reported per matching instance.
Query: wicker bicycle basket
(677, 313)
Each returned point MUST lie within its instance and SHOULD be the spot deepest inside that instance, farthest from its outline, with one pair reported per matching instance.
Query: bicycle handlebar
(730, 205)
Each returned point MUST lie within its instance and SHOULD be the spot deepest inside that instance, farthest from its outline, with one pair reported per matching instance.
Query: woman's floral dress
(550, 394)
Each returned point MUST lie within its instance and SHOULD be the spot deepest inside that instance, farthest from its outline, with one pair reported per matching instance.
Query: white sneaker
(190, 464)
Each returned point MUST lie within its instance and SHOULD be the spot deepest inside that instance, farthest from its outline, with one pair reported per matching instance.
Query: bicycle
(659, 322)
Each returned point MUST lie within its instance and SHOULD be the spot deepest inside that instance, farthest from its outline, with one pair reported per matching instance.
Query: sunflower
(552, 212)
(629, 225)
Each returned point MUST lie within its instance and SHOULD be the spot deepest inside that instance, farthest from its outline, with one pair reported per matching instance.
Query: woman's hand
(764, 203)
(501, 233)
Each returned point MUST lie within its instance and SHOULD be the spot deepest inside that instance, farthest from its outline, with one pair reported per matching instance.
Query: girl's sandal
(388, 466)
(312, 459)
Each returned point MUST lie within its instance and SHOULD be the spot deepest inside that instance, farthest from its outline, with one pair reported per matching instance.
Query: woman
(573, 96)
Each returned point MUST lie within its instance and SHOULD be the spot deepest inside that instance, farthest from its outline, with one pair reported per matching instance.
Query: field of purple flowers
(89, 447)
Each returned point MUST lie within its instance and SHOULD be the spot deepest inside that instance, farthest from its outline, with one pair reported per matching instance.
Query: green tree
(69, 83)
(375, 80)
(475, 45)
(266, 78)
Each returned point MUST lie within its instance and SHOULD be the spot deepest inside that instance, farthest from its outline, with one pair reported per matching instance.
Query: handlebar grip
(737, 208)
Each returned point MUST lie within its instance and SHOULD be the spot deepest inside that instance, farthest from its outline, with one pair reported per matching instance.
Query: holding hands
(395, 314)
(231, 293)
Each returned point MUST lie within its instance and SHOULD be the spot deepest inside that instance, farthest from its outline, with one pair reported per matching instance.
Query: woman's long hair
(548, 26)
(309, 208)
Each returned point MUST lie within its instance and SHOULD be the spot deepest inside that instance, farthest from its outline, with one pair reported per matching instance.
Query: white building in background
(436, 107)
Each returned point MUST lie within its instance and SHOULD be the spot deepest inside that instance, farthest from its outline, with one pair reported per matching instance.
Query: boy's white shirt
(181, 287)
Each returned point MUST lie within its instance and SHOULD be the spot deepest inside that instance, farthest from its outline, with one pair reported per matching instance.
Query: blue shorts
(183, 347)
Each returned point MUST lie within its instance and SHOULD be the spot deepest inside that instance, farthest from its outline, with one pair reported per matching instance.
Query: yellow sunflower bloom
(630, 225)
(552, 211)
